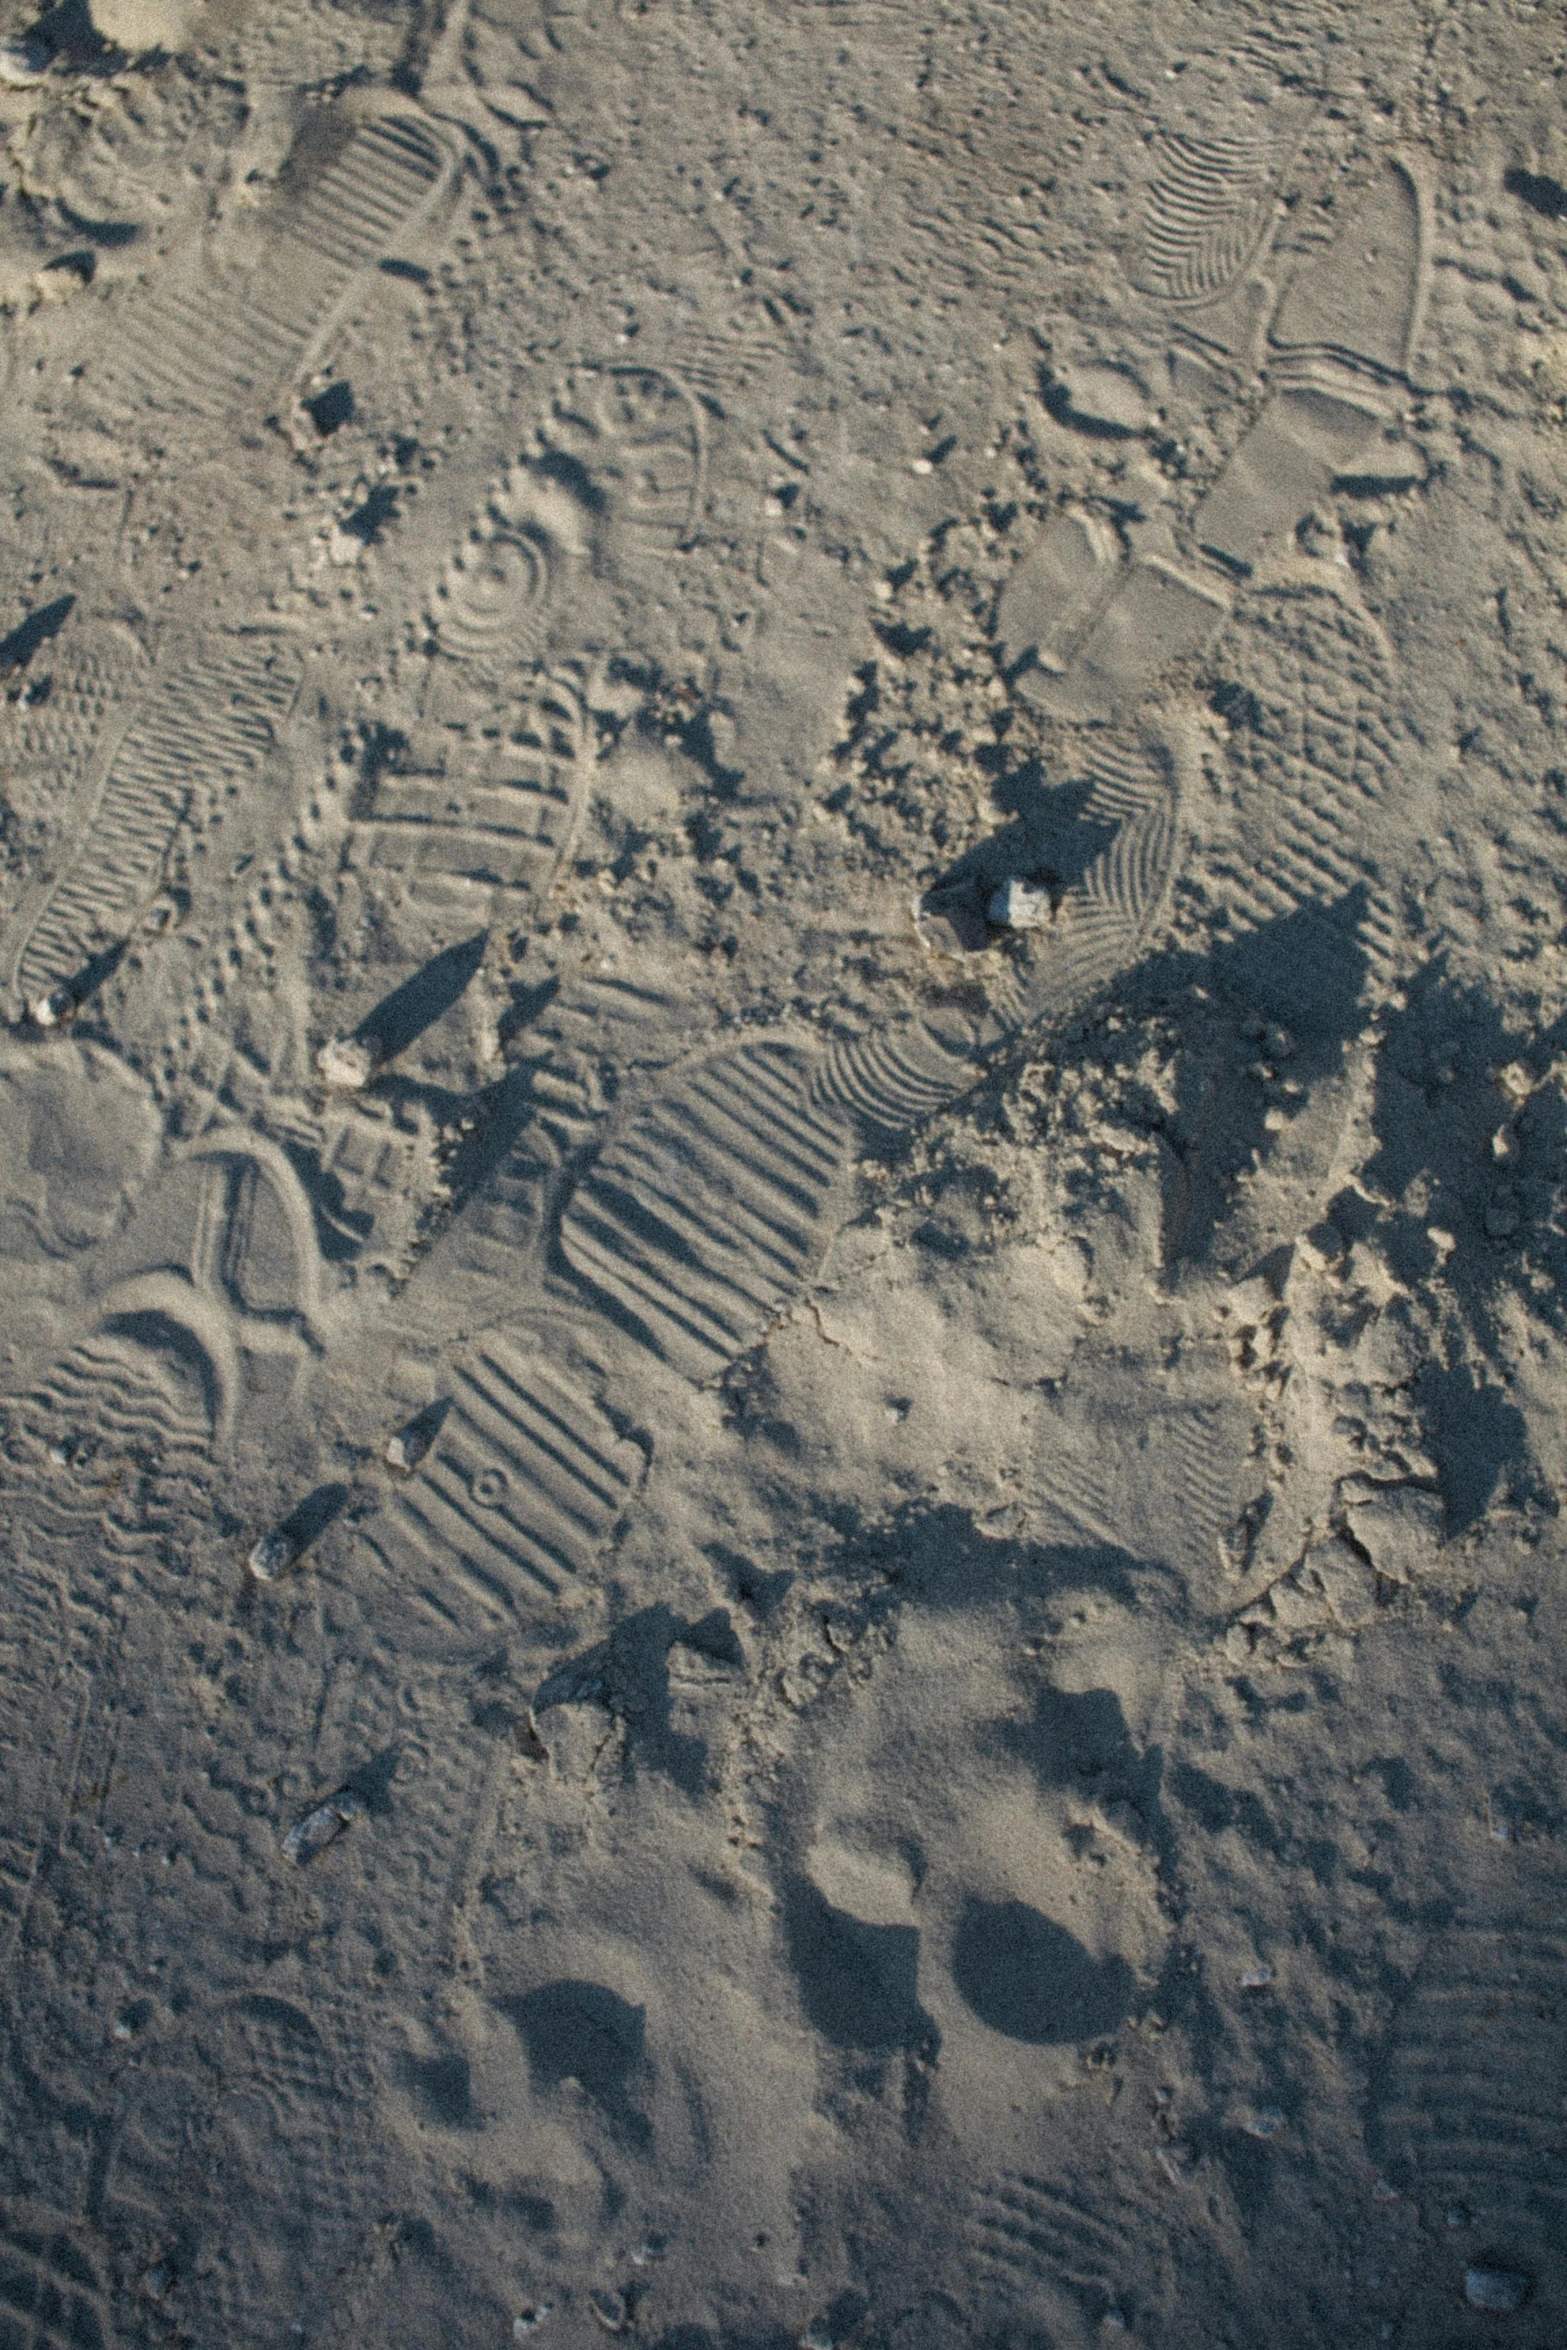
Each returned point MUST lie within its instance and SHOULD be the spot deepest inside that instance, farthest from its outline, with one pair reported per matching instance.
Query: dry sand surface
(783, 792)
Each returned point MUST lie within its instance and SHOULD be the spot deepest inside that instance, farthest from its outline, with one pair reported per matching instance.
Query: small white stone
(52, 1009)
(530, 2320)
(1020, 905)
(1500, 2291)
(273, 1555)
(1262, 2121)
(922, 465)
(1256, 1978)
(407, 1448)
(349, 1062)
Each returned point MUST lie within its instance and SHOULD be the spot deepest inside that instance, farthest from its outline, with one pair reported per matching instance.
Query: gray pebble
(322, 1826)
(1501, 2291)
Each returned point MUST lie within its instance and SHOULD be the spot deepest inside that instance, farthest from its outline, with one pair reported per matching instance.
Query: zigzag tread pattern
(699, 1220)
(1314, 763)
(1102, 2250)
(208, 724)
(519, 1493)
(1208, 210)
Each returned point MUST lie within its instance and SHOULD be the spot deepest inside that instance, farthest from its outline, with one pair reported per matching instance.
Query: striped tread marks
(894, 1079)
(1098, 2251)
(205, 727)
(1208, 213)
(51, 2297)
(1313, 759)
(1468, 2101)
(491, 804)
(702, 1215)
(354, 211)
(1105, 919)
(518, 1494)
(211, 348)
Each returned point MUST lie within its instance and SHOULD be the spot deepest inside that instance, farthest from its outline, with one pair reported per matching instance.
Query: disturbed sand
(782, 1112)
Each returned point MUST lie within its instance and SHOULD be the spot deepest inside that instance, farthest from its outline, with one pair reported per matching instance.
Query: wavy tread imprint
(206, 727)
(520, 1491)
(208, 349)
(700, 1218)
(51, 2297)
(1107, 2254)
(1471, 2105)
(893, 1080)
(1208, 212)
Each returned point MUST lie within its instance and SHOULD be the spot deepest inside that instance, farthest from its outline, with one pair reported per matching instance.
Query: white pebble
(1020, 905)
(1501, 2291)
(407, 1448)
(54, 1008)
(273, 1555)
(1263, 2121)
(322, 1826)
(530, 2320)
(349, 1062)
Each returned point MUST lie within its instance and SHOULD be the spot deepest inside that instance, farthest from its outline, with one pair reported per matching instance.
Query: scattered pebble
(1263, 2121)
(1501, 2291)
(530, 2320)
(407, 1448)
(273, 1555)
(611, 2310)
(1256, 1978)
(1021, 905)
(322, 1826)
(349, 1062)
(55, 1008)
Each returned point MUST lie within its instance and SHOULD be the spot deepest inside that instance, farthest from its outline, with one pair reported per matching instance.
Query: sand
(782, 791)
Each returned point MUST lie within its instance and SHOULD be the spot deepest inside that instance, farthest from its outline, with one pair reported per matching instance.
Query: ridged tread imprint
(519, 1492)
(209, 349)
(207, 725)
(701, 1216)
(1314, 760)
(1469, 2101)
(1208, 213)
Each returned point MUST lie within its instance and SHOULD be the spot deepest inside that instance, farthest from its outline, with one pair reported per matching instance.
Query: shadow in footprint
(18, 647)
(311, 1517)
(409, 1010)
(1031, 1980)
(584, 2032)
(859, 1984)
